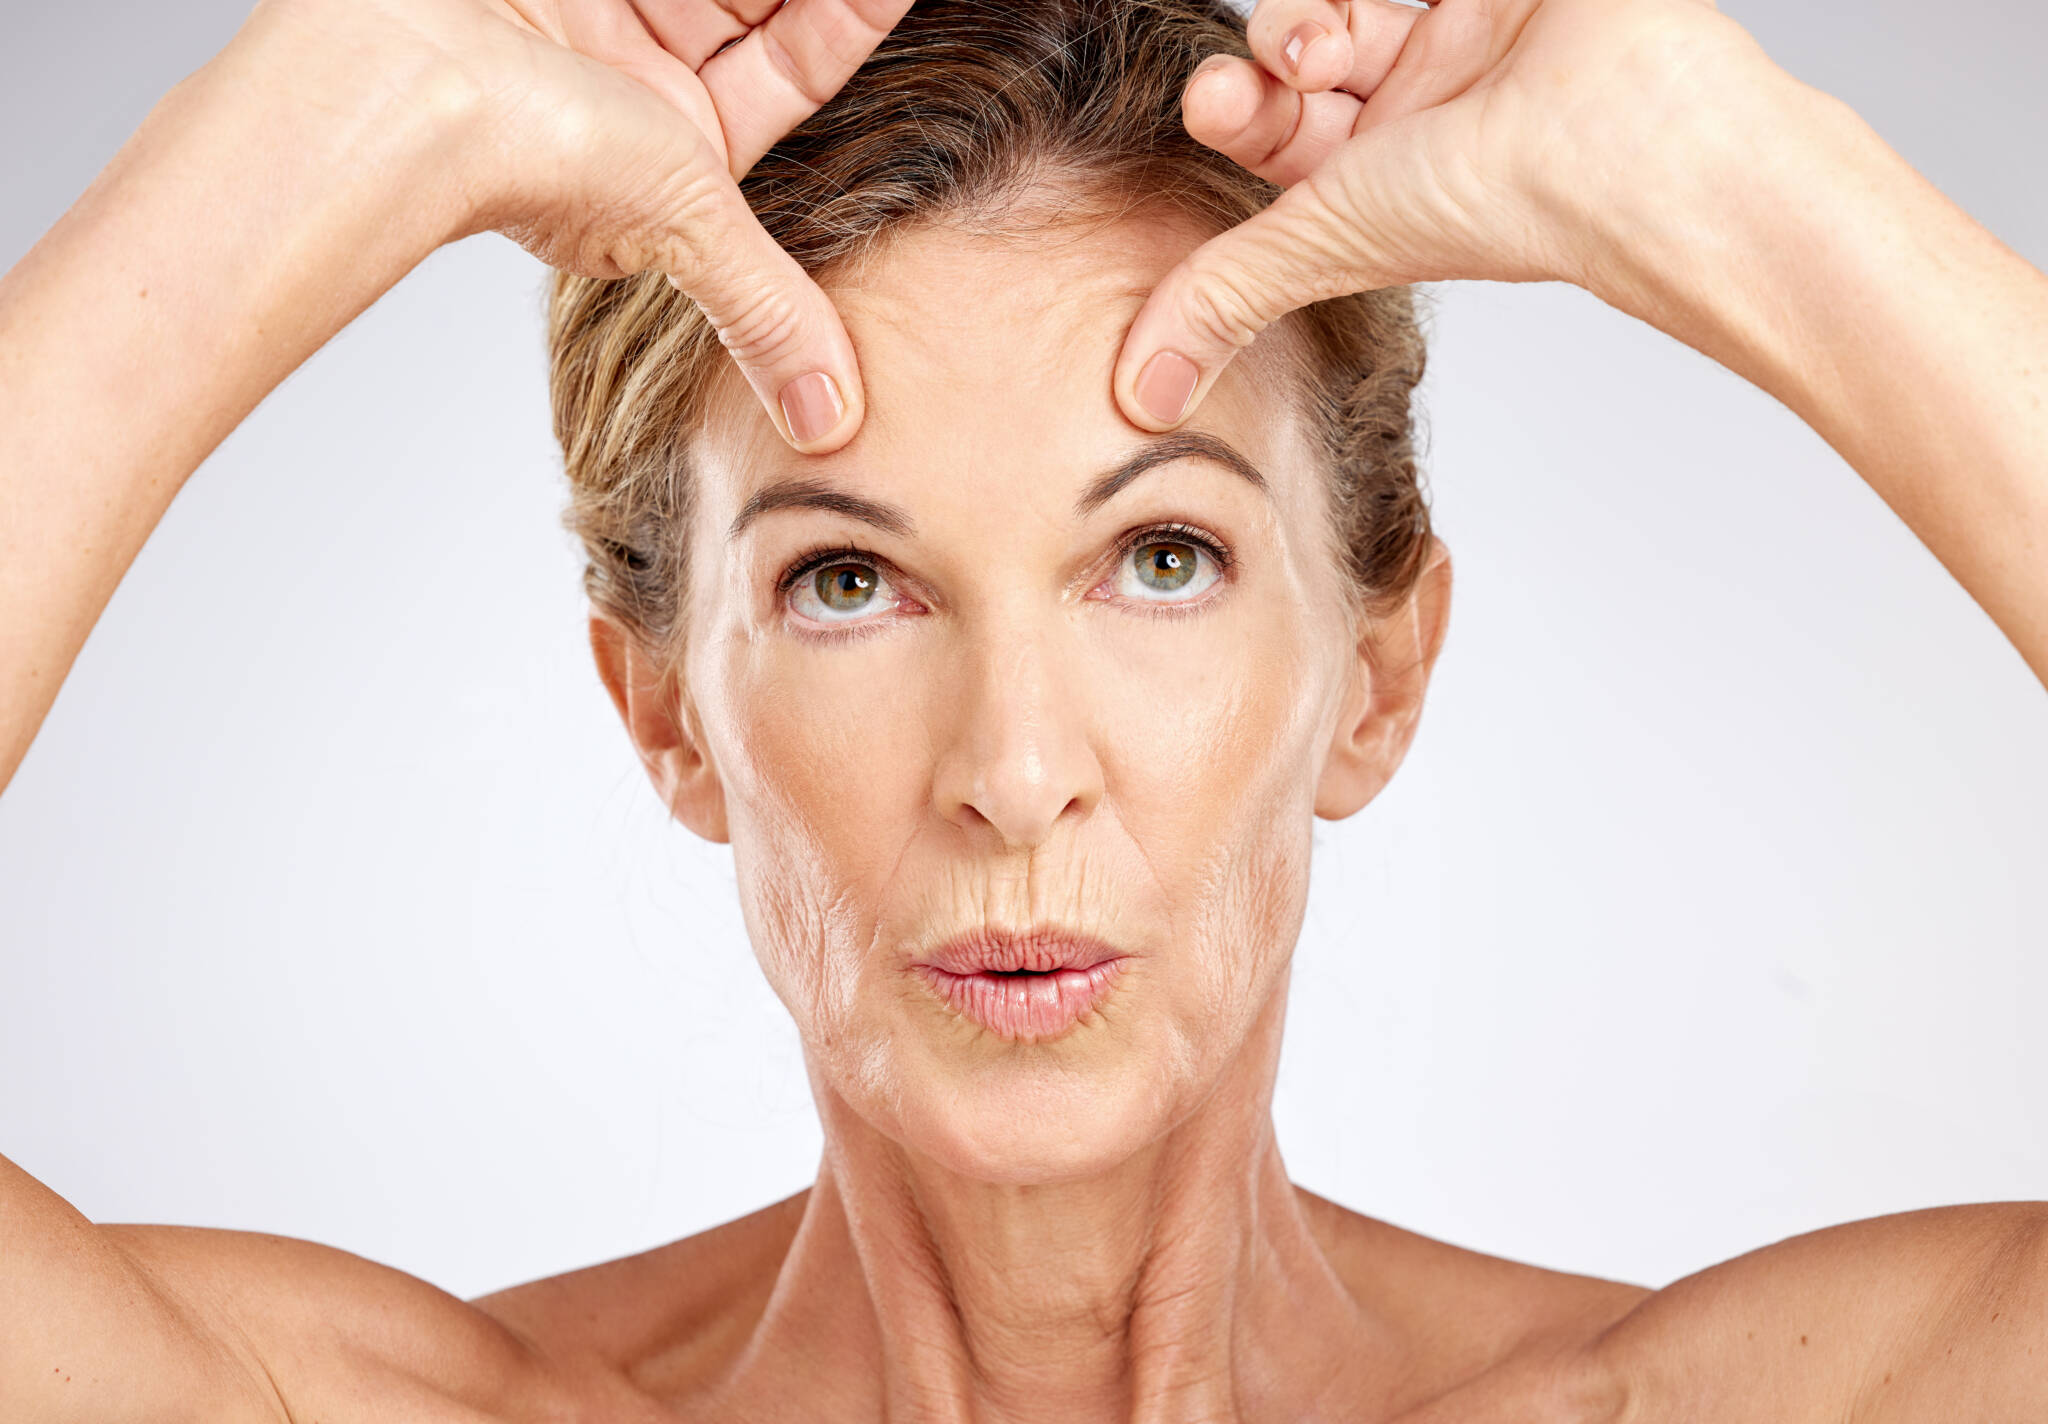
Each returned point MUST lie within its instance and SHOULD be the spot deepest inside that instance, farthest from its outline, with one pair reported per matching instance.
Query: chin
(1031, 1125)
(1019, 1111)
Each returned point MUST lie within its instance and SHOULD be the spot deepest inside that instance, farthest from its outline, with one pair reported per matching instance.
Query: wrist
(1739, 219)
(250, 217)
(358, 147)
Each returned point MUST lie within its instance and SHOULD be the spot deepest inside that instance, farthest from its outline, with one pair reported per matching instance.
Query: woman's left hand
(1511, 140)
(1648, 151)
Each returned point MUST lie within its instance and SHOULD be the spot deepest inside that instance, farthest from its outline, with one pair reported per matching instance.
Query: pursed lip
(1042, 949)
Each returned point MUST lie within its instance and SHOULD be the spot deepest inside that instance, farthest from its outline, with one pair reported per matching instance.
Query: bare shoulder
(666, 1317)
(1485, 1307)
(1926, 1315)
(334, 1335)
(1933, 1314)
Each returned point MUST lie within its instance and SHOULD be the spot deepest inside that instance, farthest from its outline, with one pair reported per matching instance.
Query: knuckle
(679, 252)
(694, 220)
(1269, 17)
(677, 228)
(764, 329)
(1224, 308)
(806, 85)
(1342, 230)
(1259, 29)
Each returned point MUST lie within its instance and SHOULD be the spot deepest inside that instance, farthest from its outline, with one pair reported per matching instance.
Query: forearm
(235, 232)
(1815, 262)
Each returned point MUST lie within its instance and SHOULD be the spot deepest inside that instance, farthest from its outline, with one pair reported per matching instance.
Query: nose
(1015, 752)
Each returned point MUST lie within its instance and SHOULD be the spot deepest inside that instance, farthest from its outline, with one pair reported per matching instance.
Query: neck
(1182, 1284)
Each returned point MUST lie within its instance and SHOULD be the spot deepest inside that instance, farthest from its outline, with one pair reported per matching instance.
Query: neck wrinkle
(1183, 1286)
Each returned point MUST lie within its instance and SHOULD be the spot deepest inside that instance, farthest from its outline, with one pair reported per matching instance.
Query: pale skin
(1097, 1227)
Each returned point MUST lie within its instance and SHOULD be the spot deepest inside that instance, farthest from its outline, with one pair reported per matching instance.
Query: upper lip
(1044, 949)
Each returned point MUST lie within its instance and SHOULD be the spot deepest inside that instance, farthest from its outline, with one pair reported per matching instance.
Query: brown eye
(845, 588)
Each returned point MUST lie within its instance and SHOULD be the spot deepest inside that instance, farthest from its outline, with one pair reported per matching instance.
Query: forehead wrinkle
(892, 287)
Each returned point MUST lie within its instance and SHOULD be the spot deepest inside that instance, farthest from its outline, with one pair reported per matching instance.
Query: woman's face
(1008, 664)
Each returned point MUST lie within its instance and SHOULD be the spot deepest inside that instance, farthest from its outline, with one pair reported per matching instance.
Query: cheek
(1208, 730)
(821, 784)
(1214, 736)
(1212, 725)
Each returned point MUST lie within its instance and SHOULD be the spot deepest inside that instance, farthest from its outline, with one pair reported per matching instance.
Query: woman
(1016, 716)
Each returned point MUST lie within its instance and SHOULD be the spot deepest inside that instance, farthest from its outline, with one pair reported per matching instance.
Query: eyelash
(812, 560)
(816, 559)
(1179, 534)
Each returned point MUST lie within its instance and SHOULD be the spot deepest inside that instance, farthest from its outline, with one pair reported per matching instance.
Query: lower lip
(1025, 1006)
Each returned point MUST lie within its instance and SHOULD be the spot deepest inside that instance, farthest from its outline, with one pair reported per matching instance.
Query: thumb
(779, 326)
(1215, 303)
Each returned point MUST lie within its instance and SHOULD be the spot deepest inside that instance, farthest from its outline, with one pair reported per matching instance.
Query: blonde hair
(965, 108)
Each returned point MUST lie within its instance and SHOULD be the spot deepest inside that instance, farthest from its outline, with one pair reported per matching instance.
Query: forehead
(986, 361)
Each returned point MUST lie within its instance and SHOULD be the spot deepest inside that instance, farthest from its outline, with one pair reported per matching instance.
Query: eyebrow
(816, 494)
(1181, 445)
(812, 493)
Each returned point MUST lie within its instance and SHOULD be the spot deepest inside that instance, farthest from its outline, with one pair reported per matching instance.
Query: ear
(650, 702)
(1394, 659)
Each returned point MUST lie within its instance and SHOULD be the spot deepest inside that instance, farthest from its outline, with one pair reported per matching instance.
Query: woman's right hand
(262, 205)
(289, 182)
(608, 138)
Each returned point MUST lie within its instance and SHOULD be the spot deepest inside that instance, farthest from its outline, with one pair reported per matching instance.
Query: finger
(1222, 295)
(618, 36)
(1379, 33)
(1370, 217)
(1450, 48)
(1305, 44)
(1314, 45)
(780, 74)
(694, 30)
(1244, 113)
(779, 326)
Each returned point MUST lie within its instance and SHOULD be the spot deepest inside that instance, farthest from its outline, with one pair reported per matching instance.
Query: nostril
(1016, 775)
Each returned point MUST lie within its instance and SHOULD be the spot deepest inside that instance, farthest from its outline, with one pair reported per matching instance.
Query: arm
(1904, 1319)
(284, 187)
(86, 1332)
(178, 291)
(223, 245)
(1648, 152)
(264, 203)
(1924, 1315)
(1914, 342)
(1651, 154)
(165, 1325)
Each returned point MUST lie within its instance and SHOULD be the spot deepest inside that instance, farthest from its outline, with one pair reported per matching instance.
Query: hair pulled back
(967, 107)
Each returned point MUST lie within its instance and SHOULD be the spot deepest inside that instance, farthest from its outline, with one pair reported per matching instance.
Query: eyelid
(1174, 532)
(1206, 546)
(789, 593)
(815, 559)
(1126, 544)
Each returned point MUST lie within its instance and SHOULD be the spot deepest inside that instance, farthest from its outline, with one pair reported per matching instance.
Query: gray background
(1709, 908)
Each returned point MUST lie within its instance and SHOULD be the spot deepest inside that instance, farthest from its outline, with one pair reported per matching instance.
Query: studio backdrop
(1710, 907)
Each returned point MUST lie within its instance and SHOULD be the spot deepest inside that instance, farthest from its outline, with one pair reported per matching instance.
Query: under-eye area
(989, 430)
